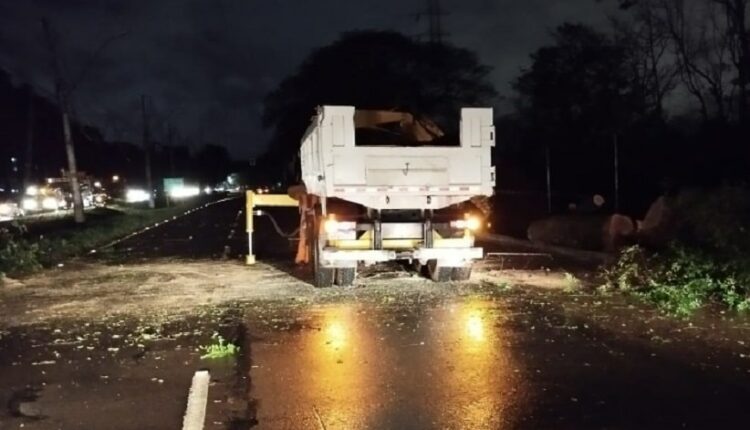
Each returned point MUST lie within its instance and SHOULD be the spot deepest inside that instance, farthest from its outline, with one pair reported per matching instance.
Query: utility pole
(549, 180)
(147, 153)
(62, 91)
(28, 161)
(170, 134)
(616, 161)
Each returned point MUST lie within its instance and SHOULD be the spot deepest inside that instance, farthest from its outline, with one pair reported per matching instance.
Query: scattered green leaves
(572, 283)
(219, 349)
(682, 279)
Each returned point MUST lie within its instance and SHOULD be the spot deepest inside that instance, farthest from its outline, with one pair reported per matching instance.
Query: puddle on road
(348, 366)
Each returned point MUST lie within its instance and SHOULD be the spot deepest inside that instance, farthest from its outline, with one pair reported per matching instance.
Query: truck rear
(375, 201)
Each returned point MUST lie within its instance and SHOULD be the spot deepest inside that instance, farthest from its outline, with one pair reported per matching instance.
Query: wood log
(659, 226)
(592, 232)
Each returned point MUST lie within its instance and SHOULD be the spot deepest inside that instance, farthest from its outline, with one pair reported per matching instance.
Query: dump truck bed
(397, 177)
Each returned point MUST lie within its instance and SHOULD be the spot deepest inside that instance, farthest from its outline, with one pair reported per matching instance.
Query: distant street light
(115, 178)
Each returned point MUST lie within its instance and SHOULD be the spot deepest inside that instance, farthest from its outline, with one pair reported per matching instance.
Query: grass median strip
(28, 247)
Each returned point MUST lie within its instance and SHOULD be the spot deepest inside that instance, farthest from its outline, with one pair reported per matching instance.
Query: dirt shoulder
(95, 291)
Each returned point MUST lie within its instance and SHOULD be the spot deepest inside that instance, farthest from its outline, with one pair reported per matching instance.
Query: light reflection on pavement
(348, 366)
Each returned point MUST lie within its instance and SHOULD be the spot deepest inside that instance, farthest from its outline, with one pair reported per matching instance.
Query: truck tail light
(333, 226)
(472, 223)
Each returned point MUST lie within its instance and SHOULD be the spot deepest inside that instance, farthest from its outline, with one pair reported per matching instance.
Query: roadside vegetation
(28, 247)
(220, 348)
(17, 256)
(706, 261)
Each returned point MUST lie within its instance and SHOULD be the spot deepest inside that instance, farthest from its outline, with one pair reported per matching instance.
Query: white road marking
(136, 233)
(195, 414)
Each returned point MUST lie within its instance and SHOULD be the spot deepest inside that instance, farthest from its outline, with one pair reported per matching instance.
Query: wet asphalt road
(482, 362)
(474, 360)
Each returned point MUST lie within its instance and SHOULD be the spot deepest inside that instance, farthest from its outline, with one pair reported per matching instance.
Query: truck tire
(461, 273)
(438, 273)
(345, 276)
(322, 276)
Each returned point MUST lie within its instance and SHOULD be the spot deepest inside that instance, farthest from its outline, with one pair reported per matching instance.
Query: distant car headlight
(30, 204)
(136, 195)
(184, 191)
(50, 203)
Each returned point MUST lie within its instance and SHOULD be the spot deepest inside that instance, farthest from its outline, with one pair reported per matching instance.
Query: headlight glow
(30, 204)
(459, 224)
(50, 203)
(469, 223)
(32, 190)
(334, 227)
(136, 195)
(331, 226)
(184, 192)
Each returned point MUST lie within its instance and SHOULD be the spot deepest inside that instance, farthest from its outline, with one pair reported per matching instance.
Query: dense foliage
(708, 260)
(17, 256)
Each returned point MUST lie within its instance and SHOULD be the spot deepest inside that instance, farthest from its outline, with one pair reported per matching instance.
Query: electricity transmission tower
(434, 14)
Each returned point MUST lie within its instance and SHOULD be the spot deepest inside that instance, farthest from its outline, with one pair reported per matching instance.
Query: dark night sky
(207, 64)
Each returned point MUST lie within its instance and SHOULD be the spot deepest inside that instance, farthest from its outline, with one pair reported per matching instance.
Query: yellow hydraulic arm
(251, 201)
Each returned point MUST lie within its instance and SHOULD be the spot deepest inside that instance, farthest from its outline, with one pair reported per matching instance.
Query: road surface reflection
(355, 366)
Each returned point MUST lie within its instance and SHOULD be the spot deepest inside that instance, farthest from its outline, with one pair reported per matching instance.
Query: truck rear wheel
(345, 276)
(322, 276)
(461, 273)
(438, 273)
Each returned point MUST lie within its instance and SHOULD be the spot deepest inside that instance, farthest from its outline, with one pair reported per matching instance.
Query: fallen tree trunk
(592, 232)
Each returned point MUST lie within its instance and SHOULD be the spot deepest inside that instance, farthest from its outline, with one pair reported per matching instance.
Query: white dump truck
(382, 186)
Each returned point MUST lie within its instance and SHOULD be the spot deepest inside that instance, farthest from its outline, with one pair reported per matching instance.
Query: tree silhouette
(577, 88)
(375, 70)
